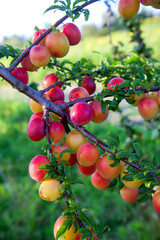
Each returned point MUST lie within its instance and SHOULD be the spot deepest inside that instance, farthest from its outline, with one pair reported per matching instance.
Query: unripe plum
(35, 129)
(56, 130)
(148, 108)
(40, 55)
(113, 82)
(70, 234)
(128, 8)
(58, 44)
(98, 116)
(21, 74)
(99, 182)
(59, 149)
(72, 32)
(104, 168)
(156, 201)
(81, 113)
(87, 154)
(86, 170)
(75, 139)
(35, 174)
(77, 93)
(35, 107)
(89, 84)
(128, 194)
(37, 34)
(49, 190)
(130, 184)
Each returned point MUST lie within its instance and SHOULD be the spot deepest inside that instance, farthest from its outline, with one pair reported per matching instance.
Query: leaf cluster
(72, 10)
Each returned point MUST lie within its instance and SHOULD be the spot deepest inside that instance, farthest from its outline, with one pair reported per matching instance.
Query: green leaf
(116, 162)
(155, 160)
(113, 183)
(76, 2)
(115, 137)
(138, 149)
(133, 59)
(88, 219)
(68, 150)
(123, 154)
(60, 144)
(76, 225)
(36, 28)
(55, 7)
(69, 13)
(47, 167)
(86, 14)
(128, 177)
(102, 228)
(63, 228)
(138, 176)
(85, 233)
(103, 107)
(46, 147)
(142, 198)
(62, 188)
(77, 182)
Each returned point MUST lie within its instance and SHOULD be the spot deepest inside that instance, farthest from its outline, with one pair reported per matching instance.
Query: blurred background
(23, 214)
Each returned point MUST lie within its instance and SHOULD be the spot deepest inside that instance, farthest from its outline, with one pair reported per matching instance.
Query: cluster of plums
(148, 103)
(129, 8)
(55, 44)
(85, 154)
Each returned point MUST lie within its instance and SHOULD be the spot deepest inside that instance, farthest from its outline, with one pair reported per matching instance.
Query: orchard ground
(24, 215)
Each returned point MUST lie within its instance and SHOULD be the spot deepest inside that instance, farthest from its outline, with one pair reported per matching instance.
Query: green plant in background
(118, 160)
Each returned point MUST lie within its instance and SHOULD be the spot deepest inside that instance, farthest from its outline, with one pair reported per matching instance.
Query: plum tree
(67, 140)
